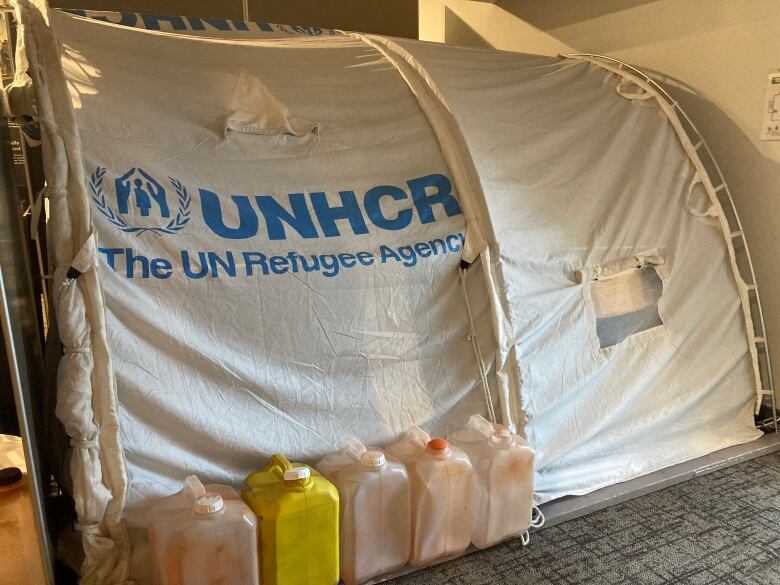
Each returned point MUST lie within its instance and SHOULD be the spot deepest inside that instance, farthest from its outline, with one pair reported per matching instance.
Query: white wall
(466, 22)
(714, 55)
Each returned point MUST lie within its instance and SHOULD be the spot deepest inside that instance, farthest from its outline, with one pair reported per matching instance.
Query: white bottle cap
(296, 473)
(208, 504)
(501, 436)
(372, 459)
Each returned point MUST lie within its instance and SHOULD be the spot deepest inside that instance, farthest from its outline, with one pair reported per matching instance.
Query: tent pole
(25, 415)
(472, 338)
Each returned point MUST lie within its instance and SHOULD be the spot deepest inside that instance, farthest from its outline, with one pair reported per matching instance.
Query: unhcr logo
(138, 190)
(142, 205)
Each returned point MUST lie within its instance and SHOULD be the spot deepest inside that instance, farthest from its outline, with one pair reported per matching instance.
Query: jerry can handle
(279, 464)
(480, 425)
(194, 487)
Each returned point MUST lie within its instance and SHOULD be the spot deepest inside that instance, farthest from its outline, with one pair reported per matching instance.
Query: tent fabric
(611, 181)
(258, 235)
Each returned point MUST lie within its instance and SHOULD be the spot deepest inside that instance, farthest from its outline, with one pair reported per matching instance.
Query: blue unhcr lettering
(275, 214)
(212, 214)
(425, 202)
(252, 259)
(212, 264)
(428, 194)
(203, 266)
(330, 265)
(408, 256)
(152, 21)
(200, 23)
(111, 254)
(315, 264)
(349, 210)
(228, 264)
(454, 242)
(125, 18)
(158, 268)
(374, 209)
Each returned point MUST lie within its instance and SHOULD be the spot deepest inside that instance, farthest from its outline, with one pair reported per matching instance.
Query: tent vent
(626, 303)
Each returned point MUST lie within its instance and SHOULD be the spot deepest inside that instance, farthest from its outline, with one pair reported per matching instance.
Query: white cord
(537, 518)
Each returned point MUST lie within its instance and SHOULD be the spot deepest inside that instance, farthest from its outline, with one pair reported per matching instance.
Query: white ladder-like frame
(732, 217)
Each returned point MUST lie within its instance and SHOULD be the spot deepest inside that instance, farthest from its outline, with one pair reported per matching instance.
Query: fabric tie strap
(84, 443)
(87, 350)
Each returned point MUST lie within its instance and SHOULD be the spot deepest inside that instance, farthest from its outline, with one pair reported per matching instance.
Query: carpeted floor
(719, 528)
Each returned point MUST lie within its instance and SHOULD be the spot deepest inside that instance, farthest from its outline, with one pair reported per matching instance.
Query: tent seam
(467, 180)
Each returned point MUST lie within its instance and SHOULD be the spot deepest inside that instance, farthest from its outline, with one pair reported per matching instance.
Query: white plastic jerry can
(200, 537)
(441, 480)
(503, 480)
(375, 511)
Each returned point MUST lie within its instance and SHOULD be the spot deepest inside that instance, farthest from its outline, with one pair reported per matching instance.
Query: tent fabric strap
(619, 266)
(84, 443)
(77, 349)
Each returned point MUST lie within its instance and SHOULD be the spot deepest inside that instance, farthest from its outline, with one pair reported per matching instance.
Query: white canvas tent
(258, 232)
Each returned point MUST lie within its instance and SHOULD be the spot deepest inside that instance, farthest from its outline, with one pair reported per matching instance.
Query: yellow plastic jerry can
(298, 512)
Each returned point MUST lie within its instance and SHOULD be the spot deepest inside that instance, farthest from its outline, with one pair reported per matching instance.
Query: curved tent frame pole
(732, 217)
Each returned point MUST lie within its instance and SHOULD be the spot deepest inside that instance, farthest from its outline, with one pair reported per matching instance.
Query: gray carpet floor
(720, 528)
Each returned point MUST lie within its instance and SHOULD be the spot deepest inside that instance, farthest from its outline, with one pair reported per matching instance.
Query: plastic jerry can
(202, 536)
(503, 480)
(376, 511)
(441, 484)
(298, 511)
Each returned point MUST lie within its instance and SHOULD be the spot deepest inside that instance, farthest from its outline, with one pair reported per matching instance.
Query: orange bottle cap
(438, 444)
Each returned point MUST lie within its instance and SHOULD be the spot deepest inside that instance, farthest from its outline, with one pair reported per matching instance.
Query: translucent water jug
(299, 523)
(441, 482)
(375, 511)
(203, 536)
(503, 480)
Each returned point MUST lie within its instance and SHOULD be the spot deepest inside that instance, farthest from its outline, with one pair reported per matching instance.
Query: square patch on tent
(626, 303)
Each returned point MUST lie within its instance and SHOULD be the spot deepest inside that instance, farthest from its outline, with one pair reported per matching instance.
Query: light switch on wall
(770, 130)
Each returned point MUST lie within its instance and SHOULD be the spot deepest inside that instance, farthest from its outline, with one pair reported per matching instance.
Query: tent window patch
(626, 303)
